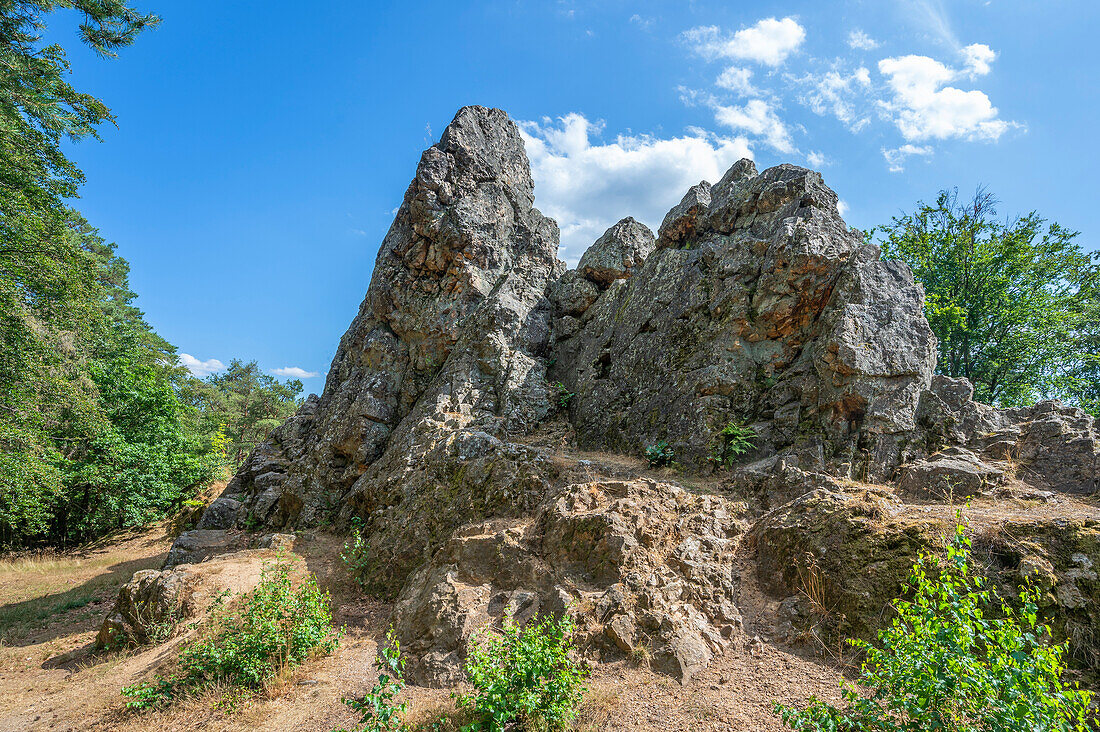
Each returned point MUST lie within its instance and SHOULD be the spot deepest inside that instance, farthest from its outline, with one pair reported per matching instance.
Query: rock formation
(477, 365)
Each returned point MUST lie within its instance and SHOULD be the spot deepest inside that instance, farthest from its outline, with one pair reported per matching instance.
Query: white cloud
(842, 207)
(737, 80)
(837, 94)
(199, 368)
(923, 108)
(587, 187)
(860, 41)
(815, 159)
(895, 157)
(643, 23)
(769, 41)
(979, 58)
(295, 372)
(757, 117)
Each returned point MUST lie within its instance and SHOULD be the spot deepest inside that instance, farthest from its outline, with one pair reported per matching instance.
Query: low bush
(523, 676)
(944, 664)
(659, 455)
(270, 629)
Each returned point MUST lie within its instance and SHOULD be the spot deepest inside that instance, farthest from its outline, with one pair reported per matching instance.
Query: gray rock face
(681, 221)
(769, 311)
(449, 333)
(220, 514)
(617, 253)
(197, 545)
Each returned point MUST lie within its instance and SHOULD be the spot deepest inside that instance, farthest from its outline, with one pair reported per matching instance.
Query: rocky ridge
(754, 304)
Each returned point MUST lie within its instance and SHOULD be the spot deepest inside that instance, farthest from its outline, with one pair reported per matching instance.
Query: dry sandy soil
(50, 678)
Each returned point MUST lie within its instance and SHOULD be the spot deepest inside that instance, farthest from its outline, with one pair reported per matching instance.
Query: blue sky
(262, 147)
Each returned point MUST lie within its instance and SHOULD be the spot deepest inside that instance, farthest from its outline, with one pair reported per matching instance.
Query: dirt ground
(50, 678)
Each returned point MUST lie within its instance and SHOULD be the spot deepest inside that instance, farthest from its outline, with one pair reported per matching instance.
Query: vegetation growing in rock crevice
(731, 442)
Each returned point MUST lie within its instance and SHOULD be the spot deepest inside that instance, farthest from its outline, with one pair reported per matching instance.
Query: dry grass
(599, 708)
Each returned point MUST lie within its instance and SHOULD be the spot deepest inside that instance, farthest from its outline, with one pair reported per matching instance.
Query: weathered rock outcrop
(449, 338)
(754, 304)
(761, 306)
(154, 603)
(840, 555)
(645, 567)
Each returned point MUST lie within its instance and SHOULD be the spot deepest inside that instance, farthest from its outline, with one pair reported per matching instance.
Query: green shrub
(378, 710)
(525, 676)
(944, 665)
(734, 440)
(356, 553)
(274, 627)
(659, 455)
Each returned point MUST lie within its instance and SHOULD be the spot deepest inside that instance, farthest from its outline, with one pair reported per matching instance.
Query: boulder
(848, 552)
(953, 473)
(637, 563)
(155, 603)
(197, 545)
(220, 514)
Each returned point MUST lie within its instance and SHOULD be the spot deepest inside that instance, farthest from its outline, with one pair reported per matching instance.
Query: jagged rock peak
(455, 310)
(617, 253)
(486, 145)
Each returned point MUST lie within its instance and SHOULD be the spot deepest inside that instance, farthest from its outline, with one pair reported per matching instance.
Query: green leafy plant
(731, 442)
(379, 711)
(562, 395)
(272, 628)
(659, 455)
(943, 664)
(356, 553)
(525, 676)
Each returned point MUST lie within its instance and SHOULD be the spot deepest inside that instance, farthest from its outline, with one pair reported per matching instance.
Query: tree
(49, 292)
(246, 404)
(947, 663)
(1012, 304)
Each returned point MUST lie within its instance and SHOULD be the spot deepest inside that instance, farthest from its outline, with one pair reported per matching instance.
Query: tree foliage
(1013, 304)
(947, 663)
(93, 435)
(245, 404)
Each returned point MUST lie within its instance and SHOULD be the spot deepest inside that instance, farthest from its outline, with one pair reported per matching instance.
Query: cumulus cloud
(769, 41)
(199, 368)
(815, 158)
(587, 186)
(838, 94)
(842, 207)
(757, 117)
(294, 372)
(895, 157)
(737, 80)
(860, 41)
(923, 107)
(978, 58)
